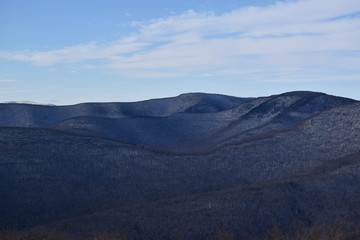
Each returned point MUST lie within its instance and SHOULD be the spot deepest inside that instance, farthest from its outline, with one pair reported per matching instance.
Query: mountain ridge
(203, 129)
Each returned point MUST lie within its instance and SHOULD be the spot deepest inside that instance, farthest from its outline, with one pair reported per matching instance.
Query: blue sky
(66, 52)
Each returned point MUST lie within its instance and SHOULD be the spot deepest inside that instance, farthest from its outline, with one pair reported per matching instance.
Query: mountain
(202, 165)
(189, 132)
(30, 115)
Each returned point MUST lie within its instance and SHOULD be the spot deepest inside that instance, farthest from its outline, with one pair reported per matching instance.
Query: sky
(67, 52)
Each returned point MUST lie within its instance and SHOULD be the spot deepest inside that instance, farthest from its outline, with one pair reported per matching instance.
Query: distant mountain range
(194, 166)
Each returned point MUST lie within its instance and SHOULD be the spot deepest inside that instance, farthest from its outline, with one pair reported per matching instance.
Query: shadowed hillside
(320, 197)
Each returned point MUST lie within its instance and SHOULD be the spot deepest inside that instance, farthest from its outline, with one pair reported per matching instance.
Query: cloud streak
(12, 91)
(309, 35)
(6, 80)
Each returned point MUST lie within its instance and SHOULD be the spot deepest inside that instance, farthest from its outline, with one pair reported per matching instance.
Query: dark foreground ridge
(194, 166)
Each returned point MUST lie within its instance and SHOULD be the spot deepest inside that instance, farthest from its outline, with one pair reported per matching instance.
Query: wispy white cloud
(6, 80)
(12, 91)
(311, 78)
(293, 34)
(76, 54)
